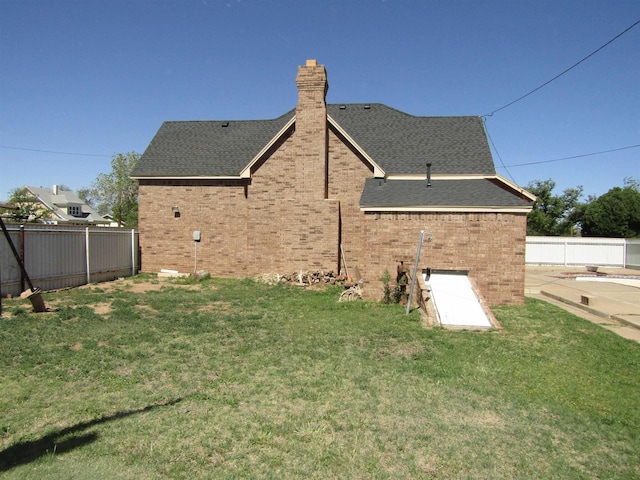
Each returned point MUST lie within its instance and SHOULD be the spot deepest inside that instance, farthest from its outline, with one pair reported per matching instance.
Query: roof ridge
(222, 120)
(393, 109)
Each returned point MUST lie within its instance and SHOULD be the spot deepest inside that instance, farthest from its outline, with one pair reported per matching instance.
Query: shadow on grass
(56, 443)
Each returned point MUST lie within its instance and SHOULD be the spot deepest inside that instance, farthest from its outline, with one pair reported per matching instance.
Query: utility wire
(562, 73)
(486, 130)
(573, 157)
(51, 151)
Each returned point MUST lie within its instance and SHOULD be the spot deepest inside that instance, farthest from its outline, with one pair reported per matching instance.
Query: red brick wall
(346, 176)
(266, 232)
(290, 230)
(490, 246)
(217, 210)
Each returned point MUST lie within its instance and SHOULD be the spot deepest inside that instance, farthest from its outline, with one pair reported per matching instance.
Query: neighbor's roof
(481, 194)
(397, 142)
(60, 202)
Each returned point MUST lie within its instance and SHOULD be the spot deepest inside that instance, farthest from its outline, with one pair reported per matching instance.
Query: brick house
(287, 194)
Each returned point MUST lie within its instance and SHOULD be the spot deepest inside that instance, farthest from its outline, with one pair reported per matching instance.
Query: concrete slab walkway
(610, 298)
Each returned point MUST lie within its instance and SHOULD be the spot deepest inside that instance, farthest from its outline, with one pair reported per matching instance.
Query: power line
(52, 151)
(562, 73)
(573, 157)
(486, 130)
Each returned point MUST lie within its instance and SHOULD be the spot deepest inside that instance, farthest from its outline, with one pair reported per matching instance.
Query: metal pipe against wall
(415, 271)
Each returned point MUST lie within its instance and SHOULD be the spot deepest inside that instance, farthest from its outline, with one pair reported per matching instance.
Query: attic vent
(225, 124)
(367, 107)
(343, 107)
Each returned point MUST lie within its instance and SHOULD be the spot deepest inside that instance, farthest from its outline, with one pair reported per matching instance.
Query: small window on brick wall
(74, 211)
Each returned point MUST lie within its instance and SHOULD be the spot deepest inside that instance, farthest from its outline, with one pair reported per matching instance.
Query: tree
(552, 214)
(614, 214)
(30, 209)
(115, 193)
(84, 194)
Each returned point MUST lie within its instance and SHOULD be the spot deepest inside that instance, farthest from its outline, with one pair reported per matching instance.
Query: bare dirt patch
(137, 286)
(101, 308)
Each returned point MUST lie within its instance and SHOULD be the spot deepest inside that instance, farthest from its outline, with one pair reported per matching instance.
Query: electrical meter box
(196, 236)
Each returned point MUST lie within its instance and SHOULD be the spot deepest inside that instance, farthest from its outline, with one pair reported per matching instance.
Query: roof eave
(423, 176)
(448, 208)
(187, 177)
(525, 193)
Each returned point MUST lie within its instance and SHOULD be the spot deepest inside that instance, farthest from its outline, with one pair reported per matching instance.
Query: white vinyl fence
(604, 252)
(63, 256)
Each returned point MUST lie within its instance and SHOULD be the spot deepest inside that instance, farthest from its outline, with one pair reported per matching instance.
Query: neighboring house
(331, 187)
(65, 207)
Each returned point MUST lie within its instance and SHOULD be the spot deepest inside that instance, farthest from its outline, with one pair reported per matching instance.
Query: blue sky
(93, 78)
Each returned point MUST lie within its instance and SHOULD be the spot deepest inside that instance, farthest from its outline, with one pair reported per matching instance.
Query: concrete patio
(610, 298)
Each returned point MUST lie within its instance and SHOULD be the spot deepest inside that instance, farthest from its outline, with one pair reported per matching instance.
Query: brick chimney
(311, 131)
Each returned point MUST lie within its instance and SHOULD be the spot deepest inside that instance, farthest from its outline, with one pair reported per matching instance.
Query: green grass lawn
(236, 379)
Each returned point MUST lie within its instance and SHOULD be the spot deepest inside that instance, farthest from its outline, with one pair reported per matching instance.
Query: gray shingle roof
(442, 193)
(402, 144)
(206, 148)
(398, 142)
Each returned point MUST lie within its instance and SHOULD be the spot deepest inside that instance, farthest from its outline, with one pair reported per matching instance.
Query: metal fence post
(88, 256)
(133, 252)
(22, 257)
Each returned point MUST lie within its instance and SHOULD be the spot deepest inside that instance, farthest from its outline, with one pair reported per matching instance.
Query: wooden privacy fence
(605, 252)
(65, 256)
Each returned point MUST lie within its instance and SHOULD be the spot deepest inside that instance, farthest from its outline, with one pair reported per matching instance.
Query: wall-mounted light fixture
(176, 211)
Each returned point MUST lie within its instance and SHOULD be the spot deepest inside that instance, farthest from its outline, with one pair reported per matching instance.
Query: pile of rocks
(306, 278)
